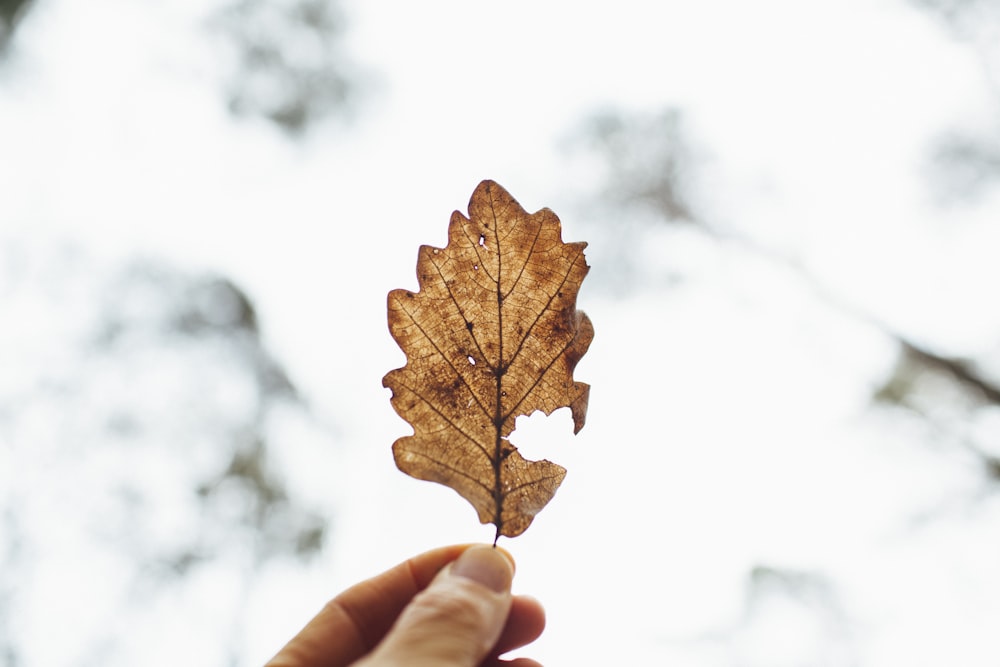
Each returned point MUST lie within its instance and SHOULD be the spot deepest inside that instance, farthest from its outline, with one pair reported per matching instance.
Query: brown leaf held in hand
(492, 334)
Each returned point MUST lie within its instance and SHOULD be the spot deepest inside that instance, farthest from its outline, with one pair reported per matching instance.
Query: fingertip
(531, 609)
(525, 623)
(514, 662)
(485, 565)
(509, 557)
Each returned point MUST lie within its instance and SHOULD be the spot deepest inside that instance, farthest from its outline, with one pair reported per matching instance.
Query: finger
(457, 620)
(351, 624)
(515, 662)
(524, 624)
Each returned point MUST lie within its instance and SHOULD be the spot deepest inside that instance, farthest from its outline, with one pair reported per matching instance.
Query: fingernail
(486, 566)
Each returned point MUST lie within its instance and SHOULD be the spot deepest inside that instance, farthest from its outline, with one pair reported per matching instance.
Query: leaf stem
(498, 495)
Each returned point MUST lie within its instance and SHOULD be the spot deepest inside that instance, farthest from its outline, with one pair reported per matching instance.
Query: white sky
(728, 425)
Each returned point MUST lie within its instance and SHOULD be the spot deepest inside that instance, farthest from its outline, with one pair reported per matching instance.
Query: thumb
(456, 621)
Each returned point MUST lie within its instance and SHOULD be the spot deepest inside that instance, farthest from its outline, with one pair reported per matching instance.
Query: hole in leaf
(536, 434)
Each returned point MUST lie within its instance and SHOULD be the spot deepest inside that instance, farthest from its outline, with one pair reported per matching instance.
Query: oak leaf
(493, 333)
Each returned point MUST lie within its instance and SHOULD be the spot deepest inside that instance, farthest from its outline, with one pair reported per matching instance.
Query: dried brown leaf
(492, 334)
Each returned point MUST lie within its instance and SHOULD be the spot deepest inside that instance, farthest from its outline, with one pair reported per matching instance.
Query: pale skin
(448, 607)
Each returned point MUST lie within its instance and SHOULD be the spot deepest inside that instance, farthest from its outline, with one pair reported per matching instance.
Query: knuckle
(460, 610)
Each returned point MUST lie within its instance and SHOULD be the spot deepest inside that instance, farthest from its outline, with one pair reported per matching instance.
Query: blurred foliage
(965, 162)
(284, 60)
(964, 166)
(791, 617)
(788, 617)
(289, 66)
(648, 173)
(965, 17)
(959, 397)
(955, 396)
(11, 555)
(157, 308)
(645, 167)
(140, 410)
(648, 160)
(11, 14)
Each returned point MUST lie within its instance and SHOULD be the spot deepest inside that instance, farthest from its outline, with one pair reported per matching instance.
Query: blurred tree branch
(945, 391)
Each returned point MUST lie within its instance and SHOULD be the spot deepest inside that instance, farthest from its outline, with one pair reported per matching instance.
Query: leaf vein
(458, 309)
(533, 482)
(544, 310)
(447, 419)
(475, 248)
(527, 258)
(538, 379)
(452, 469)
(446, 360)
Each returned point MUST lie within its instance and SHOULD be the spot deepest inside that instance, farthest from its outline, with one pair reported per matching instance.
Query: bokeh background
(792, 456)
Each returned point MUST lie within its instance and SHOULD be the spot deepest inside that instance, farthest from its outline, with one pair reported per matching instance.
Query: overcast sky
(729, 425)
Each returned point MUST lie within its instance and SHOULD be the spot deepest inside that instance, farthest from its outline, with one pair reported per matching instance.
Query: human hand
(449, 607)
